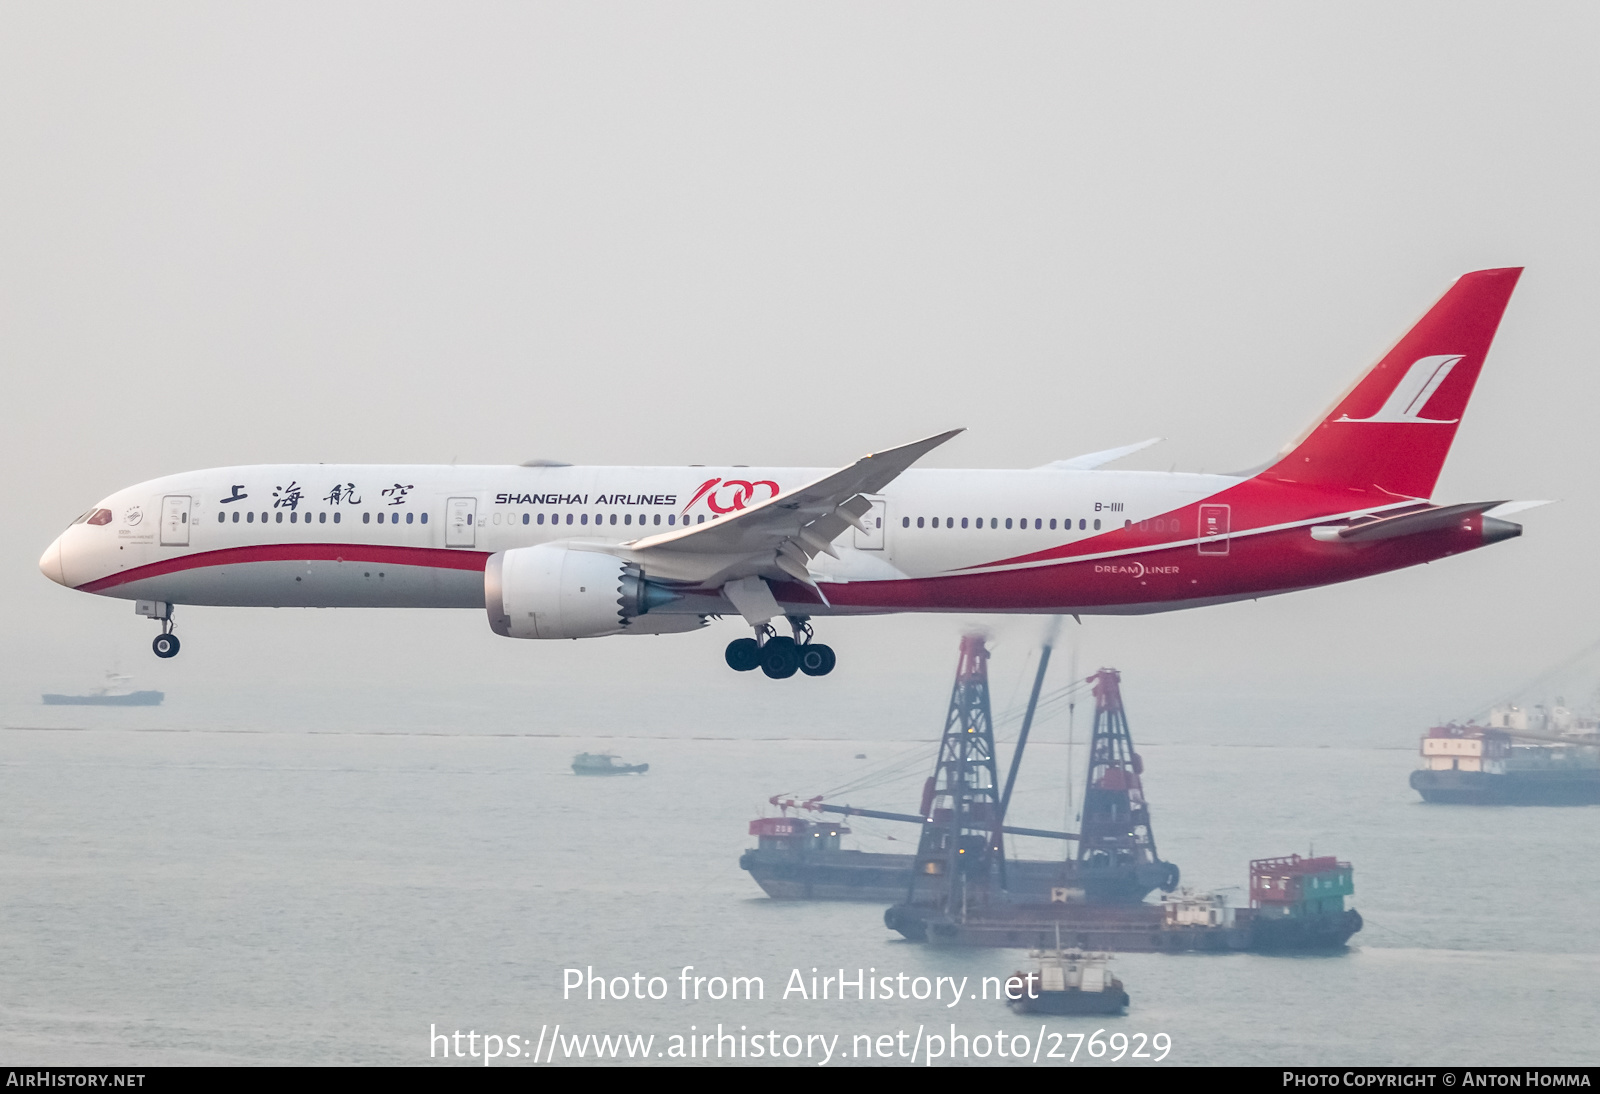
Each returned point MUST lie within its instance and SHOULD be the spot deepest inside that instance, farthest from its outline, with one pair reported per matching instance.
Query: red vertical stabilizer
(1390, 433)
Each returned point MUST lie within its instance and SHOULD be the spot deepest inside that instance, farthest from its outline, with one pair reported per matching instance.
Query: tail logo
(1412, 393)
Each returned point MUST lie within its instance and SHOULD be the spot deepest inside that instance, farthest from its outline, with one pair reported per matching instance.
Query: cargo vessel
(115, 692)
(1297, 905)
(1550, 758)
(604, 763)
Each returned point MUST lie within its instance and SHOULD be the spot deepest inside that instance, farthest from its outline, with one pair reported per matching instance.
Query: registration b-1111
(553, 551)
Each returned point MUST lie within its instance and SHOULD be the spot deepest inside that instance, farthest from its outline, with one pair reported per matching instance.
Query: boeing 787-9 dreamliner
(555, 551)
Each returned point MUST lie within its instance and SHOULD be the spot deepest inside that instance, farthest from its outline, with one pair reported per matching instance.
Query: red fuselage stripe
(433, 557)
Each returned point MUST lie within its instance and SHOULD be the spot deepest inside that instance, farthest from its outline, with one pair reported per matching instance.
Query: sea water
(278, 896)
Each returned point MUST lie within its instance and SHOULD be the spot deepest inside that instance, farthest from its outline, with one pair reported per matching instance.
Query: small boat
(1067, 982)
(604, 763)
(115, 692)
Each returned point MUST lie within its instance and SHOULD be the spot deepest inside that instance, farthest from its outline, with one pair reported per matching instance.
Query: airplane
(553, 551)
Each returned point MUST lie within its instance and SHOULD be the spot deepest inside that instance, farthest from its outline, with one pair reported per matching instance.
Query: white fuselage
(416, 536)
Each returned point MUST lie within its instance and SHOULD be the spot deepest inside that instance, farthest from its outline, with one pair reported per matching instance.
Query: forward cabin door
(175, 520)
(461, 522)
(872, 538)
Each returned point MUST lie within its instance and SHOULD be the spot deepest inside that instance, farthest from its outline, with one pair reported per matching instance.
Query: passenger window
(1082, 524)
(541, 518)
(1052, 524)
(1008, 523)
(569, 518)
(1096, 524)
(1038, 524)
(613, 518)
(322, 518)
(524, 518)
(702, 519)
(221, 517)
(336, 516)
(963, 522)
(425, 519)
(583, 519)
(410, 517)
(657, 520)
(994, 522)
(279, 515)
(250, 518)
(380, 516)
(627, 518)
(366, 518)
(236, 516)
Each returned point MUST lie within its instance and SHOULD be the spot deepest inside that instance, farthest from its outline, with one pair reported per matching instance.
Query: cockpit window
(99, 516)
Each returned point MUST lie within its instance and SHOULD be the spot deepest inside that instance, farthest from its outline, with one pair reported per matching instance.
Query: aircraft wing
(1090, 460)
(781, 535)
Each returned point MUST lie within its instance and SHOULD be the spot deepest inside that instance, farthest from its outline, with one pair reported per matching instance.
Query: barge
(1297, 905)
(961, 820)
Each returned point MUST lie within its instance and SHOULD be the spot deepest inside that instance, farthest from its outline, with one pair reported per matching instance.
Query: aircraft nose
(50, 563)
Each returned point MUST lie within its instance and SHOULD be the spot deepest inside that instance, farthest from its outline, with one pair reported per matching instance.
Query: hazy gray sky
(757, 233)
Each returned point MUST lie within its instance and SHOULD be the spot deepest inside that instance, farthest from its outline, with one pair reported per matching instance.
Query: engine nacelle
(554, 591)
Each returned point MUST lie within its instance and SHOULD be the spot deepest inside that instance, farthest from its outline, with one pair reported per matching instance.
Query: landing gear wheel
(816, 659)
(165, 645)
(743, 654)
(780, 658)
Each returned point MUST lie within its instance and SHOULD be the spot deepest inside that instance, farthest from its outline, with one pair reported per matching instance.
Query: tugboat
(115, 692)
(1067, 982)
(604, 763)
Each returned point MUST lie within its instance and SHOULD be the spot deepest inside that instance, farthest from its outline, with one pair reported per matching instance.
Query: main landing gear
(166, 643)
(780, 657)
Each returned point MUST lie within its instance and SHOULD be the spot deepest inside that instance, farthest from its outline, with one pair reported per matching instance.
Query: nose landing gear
(166, 643)
(780, 657)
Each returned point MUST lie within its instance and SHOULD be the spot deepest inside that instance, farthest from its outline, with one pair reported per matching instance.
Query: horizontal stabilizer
(1409, 524)
(1506, 509)
(1091, 460)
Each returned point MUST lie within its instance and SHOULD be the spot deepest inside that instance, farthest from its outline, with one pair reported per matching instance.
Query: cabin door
(872, 538)
(175, 520)
(1214, 529)
(461, 522)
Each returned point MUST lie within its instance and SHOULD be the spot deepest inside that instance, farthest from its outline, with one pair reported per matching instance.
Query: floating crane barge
(959, 893)
(1114, 860)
